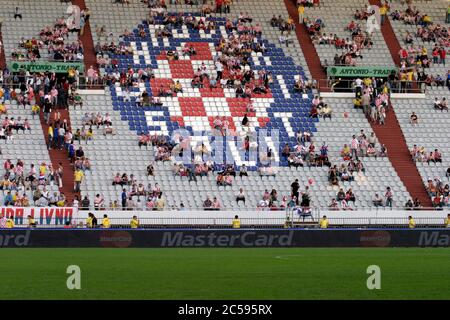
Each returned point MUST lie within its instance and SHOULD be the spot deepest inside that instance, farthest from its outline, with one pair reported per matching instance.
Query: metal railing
(316, 210)
(81, 83)
(164, 222)
(347, 85)
(253, 223)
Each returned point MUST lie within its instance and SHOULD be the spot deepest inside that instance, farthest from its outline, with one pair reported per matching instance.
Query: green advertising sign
(362, 71)
(45, 66)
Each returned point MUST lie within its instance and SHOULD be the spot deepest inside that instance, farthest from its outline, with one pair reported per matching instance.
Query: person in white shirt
(437, 103)
(240, 196)
(126, 95)
(354, 146)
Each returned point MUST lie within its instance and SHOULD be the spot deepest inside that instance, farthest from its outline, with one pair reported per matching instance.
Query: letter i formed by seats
(74, 280)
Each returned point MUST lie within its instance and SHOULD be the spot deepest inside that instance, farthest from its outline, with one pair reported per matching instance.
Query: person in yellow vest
(385, 89)
(134, 223)
(424, 52)
(78, 176)
(324, 222)
(383, 11)
(89, 220)
(31, 222)
(105, 222)
(288, 223)
(236, 223)
(290, 21)
(447, 221)
(426, 19)
(357, 103)
(35, 109)
(301, 12)
(10, 223)
(411, 222)
(409, 78)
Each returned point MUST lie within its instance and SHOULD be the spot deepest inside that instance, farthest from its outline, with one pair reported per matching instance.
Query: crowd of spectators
(438, 192)
(17, 181)
(440, 104)
(54, 39)
(427, 30)
(362, 146)
(419, 154)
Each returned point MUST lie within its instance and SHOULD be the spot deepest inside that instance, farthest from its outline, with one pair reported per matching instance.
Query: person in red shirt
(403, 53)
(219, 6)
(442, 54)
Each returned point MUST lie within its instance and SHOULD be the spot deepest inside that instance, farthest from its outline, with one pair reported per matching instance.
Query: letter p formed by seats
(74, 280)
(374, 280)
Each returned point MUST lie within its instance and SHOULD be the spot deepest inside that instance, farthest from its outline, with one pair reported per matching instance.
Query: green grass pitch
(262, 273)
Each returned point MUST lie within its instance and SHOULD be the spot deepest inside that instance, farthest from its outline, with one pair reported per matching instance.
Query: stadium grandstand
(191, 111)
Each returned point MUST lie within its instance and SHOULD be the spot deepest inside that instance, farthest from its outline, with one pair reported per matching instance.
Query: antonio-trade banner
(43, 216)
(361, 71)
(45, 66)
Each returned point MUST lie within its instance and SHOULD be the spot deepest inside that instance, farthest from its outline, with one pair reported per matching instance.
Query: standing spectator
(324, 222)
(295, 186)
(447, 17)
(383, 12)
(134, 223)
(78, 178)
(236, 223)
(124, 198)
(301, 12)
(411, 222)
(354, 146)
(47, 110)
(226, 4)
(85, 203)
(389, 197)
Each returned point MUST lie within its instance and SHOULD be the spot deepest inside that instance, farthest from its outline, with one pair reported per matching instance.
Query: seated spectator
(108, 130)
(3, 108)
(414, 119)
(144, 140)
(118, 180)
(313, 112)
(216, 204)
(333, 205)
(409, 204)
(443, 104)
(325, 112)
(150, 170)
(286, 38)
(340, 195)
(207, 204)
(299, 86)
(377, 200)
(350, 196)
(346, 152)
(243, 171)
